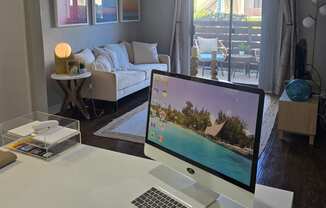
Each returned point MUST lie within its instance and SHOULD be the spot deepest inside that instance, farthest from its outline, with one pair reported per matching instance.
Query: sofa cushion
(145, 53)
(129, 78)
(130, 51)
(99, 51)
(111, 56)
(86, 57)
(148, 68)
(207, 44)
(122, 55)
(103, 64)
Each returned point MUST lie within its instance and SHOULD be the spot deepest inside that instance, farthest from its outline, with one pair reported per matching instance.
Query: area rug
(132, 125)
(129, 127)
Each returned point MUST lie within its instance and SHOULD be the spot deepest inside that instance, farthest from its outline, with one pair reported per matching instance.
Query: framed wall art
(105, 11)
(71, 13)
(130, 10)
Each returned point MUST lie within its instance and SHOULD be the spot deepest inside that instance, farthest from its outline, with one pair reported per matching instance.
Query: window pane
(211, 22)
(246, 41)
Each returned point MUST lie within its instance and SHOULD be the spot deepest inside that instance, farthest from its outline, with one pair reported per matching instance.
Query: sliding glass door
(233, 29)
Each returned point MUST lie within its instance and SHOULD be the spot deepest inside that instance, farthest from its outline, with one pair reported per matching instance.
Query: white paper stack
(52, 136)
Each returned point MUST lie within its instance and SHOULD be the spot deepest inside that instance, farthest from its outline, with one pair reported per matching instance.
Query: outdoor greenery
(252, 19)
(243, 47)
(201, 14)
(191, 117)
(208, 15)
(233, 131)
(201, 9)
(206, 10)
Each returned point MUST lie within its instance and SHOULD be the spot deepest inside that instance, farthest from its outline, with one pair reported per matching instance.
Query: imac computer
(209, 131)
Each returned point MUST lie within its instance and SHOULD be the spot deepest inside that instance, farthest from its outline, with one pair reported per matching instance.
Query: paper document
(52, 136)
(25, 130)
(55, 135)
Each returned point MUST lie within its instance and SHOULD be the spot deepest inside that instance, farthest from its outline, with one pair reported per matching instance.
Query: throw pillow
(110, 55)
(98, 51)
(129, 50)
(86, 57)
(145, 53)
(207, 45)
(103, 64)
(114, 59)
(101, 51)
(122, 54)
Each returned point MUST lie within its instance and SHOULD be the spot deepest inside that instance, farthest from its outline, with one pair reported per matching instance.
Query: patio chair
(205, 48)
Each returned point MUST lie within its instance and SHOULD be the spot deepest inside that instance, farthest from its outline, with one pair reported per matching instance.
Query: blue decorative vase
(299, 90)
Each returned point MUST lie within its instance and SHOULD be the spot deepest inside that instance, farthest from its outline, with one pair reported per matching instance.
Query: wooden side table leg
(65, 104)
(82, 109)
(79, 94)
(79, 100)
(311, 140)
(66, 90)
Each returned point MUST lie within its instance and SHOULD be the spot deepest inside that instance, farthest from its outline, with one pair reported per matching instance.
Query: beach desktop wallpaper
(208, 124)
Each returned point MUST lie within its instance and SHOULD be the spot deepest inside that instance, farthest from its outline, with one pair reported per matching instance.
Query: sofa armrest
(165, 59)
(103, 86)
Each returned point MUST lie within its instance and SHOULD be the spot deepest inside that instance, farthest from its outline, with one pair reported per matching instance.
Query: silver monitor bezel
(259, 92)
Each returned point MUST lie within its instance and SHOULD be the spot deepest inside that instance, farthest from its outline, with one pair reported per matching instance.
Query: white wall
(79, 38)
(157, 23)
(15, 96)
(304, 8)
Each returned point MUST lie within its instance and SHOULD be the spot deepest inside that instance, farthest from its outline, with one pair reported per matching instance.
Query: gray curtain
(180, 48)
(278, 48)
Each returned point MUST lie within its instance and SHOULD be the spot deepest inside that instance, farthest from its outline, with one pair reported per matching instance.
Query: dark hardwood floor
(88, 127)
(289, 164)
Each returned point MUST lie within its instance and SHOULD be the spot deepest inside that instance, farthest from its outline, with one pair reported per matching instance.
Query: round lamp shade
(308, 22)
(63, 50)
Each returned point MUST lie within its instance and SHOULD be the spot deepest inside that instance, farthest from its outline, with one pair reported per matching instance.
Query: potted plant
(243, 47)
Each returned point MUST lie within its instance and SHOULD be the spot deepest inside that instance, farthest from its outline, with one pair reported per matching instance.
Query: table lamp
(62, 54)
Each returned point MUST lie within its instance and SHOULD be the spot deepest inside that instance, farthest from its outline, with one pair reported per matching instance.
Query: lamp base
(61, 65)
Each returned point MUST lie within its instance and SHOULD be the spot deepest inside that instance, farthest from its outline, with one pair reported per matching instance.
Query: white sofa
(114, 85)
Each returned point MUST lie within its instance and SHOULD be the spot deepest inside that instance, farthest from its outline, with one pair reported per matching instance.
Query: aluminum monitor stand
(191, 188)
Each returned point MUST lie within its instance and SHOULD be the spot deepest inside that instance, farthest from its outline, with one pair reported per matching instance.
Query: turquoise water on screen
(198, 148)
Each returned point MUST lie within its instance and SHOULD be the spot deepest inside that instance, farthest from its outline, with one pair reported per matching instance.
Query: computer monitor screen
(210, 124)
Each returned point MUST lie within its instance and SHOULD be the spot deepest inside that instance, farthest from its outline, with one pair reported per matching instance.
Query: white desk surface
(89, 177)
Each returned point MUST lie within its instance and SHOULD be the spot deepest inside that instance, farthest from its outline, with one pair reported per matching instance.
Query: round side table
(72, 86)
